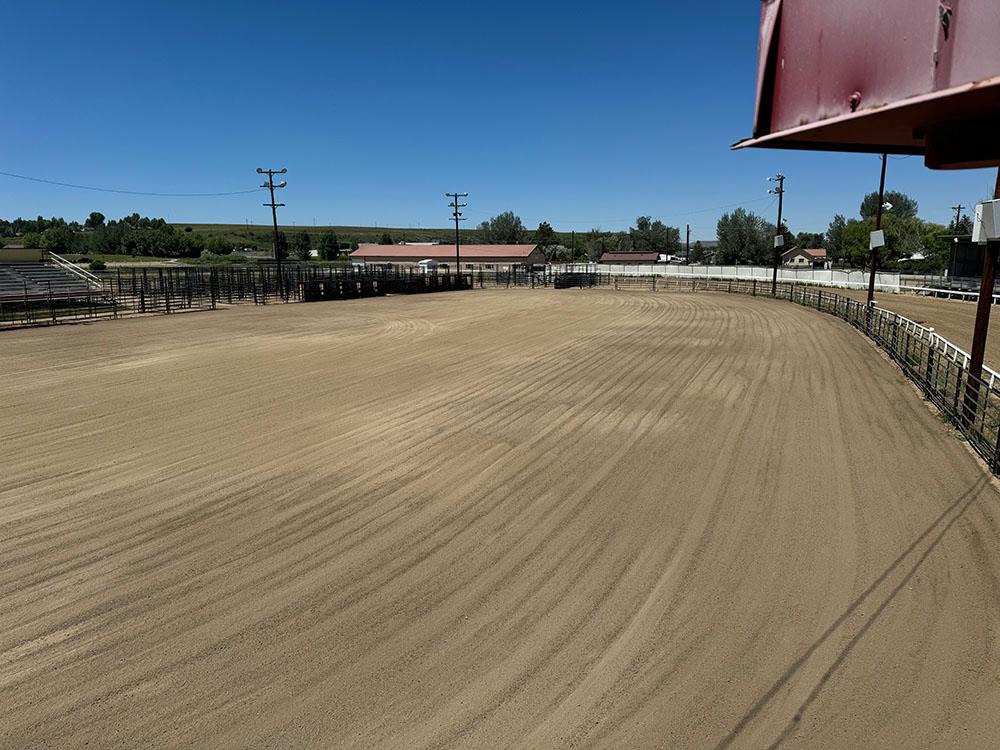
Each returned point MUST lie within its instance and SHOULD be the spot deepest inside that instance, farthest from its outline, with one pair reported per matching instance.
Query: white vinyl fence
(855, 279)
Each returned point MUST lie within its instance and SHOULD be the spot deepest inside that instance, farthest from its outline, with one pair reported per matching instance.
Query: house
(798, 257)
(489, 257)
(630, 258)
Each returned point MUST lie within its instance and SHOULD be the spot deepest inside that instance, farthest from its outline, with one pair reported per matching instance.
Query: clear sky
(583, 114)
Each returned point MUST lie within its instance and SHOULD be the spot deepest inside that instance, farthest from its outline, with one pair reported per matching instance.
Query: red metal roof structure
(419, 252)
(884, 76)
(629, 258)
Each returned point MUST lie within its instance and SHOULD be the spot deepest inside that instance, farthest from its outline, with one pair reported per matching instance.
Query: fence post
(958, 388)
(995, 463)
(930, 357)
(754, 291)
(166, 291)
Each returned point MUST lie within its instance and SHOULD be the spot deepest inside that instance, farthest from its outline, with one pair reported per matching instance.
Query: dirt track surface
(488, 519)
(951, 318)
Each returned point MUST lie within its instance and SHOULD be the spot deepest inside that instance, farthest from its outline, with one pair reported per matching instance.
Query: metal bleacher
(37, 279)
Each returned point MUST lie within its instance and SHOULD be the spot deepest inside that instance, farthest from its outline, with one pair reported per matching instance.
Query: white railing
(92, 279)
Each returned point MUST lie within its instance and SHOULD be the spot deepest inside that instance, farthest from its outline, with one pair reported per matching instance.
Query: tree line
(148, 237)
(745, 237)
(742, 237)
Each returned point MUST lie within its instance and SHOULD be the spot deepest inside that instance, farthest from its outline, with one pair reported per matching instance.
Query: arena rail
(151, 290)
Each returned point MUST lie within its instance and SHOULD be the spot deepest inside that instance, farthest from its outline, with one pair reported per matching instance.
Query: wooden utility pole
(958, 215)
(982, 326)
(878, 226)
(780, 192)
(456, 214)
(274, 217)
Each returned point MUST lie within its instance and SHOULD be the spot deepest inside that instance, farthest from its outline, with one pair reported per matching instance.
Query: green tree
(810, 240)
(329, 246)
(32, 240)
(544, 236)
(595, 244)
(744, 237)
(962, 226)
(503, 229)
(95, 220)
(58, 240)
(835, 238)
(904, 237)
(652, 235)
(302, 246)
(903, 205)
(386, 239)
(218, 246)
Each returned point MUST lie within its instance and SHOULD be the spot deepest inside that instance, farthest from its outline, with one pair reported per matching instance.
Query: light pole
(779, 237)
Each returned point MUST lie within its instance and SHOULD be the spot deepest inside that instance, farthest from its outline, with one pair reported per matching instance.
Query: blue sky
(581, 114)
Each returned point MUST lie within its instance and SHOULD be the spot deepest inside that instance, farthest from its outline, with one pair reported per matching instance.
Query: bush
(97, 265)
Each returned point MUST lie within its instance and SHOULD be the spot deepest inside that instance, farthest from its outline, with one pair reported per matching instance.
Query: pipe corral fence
(132, 291)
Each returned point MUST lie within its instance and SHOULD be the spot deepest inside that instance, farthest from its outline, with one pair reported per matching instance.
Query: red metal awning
(896, 76)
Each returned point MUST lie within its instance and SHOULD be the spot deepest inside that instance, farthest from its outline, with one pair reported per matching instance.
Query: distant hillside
(259, 235)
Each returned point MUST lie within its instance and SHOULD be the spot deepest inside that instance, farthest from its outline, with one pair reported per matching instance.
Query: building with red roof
(472, 256)
(798, 257)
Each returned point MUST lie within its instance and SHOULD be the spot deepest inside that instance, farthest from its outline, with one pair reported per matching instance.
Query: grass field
(488, 519)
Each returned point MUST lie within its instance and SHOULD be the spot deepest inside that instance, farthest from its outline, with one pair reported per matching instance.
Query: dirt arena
(488, 519)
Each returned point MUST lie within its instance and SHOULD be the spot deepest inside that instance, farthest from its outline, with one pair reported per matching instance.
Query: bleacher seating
(16, 279)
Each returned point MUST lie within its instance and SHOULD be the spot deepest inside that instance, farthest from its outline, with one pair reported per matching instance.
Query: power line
(125, 192)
